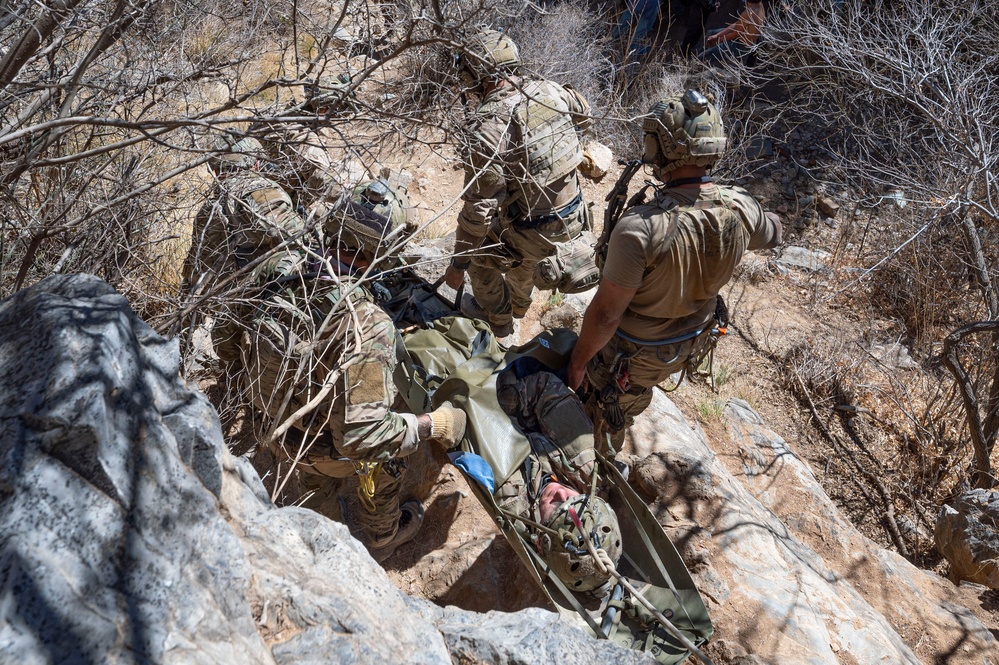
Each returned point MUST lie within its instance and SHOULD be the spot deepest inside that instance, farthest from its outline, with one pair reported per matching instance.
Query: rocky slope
(128, 533)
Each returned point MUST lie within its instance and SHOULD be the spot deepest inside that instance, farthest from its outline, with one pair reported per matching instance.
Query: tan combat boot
(409, 523)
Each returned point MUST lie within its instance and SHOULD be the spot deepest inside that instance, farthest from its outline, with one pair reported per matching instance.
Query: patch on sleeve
(366, 383)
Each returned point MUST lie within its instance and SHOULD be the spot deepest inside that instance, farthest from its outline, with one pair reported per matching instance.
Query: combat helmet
(490, 54)
(232, 154)
(328, 92)
(369, 219)
(565, 551)
(683, 130)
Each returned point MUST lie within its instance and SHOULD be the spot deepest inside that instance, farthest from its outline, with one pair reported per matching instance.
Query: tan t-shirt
(677, 282)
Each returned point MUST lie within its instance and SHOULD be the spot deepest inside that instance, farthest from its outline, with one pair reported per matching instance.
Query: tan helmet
(232, 154)
(491, 54)
(567, 554)
(370, 219)
(683, 130)
(328, 92)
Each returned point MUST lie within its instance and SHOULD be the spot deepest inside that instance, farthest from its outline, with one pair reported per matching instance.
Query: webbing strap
(612, 472)
(646, 541)
(538, 220)
(673, 340)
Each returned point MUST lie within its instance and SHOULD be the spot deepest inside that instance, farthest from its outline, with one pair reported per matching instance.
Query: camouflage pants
(647, 367)
(503, 277)
(373, 521)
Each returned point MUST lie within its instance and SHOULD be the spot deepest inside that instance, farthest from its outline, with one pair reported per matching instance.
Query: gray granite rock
(802, 258)
(783, 602)
(967, 535)
(113, 547)
(526, 637)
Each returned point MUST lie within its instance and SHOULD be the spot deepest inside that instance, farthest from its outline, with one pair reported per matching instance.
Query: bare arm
(600, 322)
(746, 28)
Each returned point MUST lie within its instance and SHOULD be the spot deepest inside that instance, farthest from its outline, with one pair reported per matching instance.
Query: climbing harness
(367, 473)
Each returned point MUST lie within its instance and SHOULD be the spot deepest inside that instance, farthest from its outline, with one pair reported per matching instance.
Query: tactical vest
(546, 148)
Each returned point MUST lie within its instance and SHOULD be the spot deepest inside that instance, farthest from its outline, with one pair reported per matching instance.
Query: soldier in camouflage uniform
(321, 355)
(299, 151)
(656, 307)
(556, 479)
(522, 198)
(249, 216)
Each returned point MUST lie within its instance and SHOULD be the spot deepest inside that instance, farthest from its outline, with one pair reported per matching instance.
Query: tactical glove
(447, 425)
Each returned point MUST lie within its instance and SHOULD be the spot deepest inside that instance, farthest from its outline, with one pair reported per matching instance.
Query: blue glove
(476, 468)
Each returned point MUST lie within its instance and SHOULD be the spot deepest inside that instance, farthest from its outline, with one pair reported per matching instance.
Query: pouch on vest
(572, 269)
(548, 145)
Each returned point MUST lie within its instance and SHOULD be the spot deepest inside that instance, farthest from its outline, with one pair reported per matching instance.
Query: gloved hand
(447, 425)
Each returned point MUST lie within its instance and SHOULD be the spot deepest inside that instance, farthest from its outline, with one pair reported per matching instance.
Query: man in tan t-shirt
(665, 263)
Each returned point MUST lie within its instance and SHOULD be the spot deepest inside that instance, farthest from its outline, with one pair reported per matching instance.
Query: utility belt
(693, 348)
(525, 223)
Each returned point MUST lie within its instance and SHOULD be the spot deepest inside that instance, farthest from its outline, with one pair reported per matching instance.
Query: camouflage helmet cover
(327, 91)
(232, 154)
(491, 54)
(369, 218)
(683, 130)
(567, 554)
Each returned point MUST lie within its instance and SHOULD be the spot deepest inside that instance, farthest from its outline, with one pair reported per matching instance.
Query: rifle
(616, 199)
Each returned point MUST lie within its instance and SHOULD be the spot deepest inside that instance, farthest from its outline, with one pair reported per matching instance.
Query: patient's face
(553, 496)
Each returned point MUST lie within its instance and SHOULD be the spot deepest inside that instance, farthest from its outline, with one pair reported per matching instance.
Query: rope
(606, 566)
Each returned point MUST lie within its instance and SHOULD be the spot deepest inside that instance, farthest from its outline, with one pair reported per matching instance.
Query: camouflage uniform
(251, 216)
(678, 252)
(561, 439)
(299, 151)
(327, 352)
(304, 164)
(521, 153)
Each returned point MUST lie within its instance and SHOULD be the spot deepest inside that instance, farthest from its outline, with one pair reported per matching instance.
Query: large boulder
(772, 552)
(967, 535)
(113, 547)
(128, 533)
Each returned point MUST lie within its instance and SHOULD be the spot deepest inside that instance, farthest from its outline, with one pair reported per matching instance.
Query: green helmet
(567, 554)
(232, 154)
(369, 219)
(490, 54)
(327, 92)
(683, 130)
